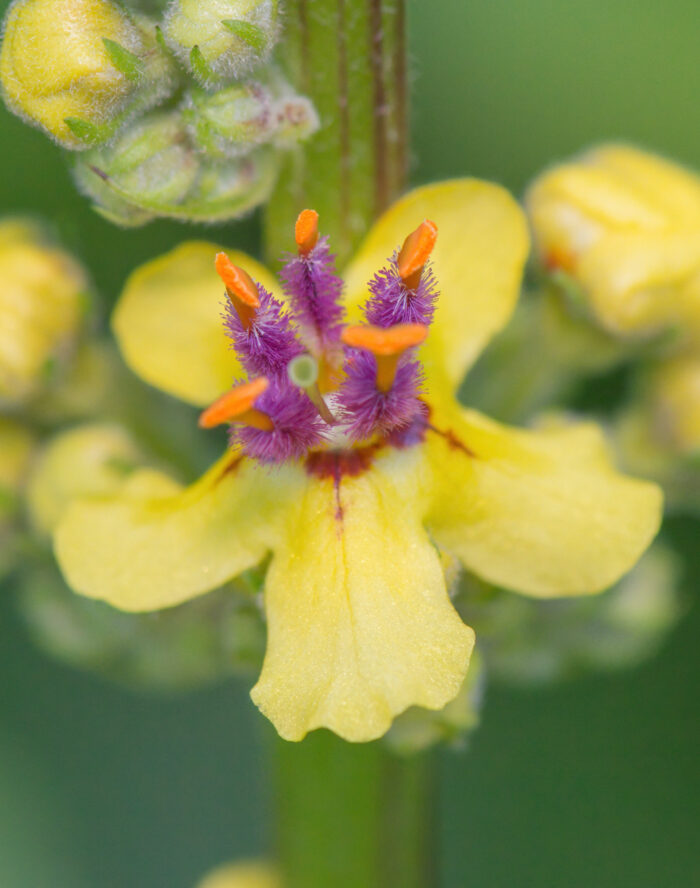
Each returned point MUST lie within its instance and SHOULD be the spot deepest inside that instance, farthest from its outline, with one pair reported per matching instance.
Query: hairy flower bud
(624, 225)
(91, 460)
(78, 68)
(42, 301)
(234, 120)
(151, 169)
(220, 39)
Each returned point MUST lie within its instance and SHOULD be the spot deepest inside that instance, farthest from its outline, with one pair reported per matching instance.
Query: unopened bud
(220, 40)
(624, 225)
(91, 460)
(147, 169)
(43, 295)
(78, 68)
(235, 119)
(151, 169)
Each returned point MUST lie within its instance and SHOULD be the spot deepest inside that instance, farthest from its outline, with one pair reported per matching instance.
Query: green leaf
(129, 64)
(250, 34)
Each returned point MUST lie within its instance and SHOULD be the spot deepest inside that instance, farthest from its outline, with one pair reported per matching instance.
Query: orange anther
(236, 405)
(415, 252)
(385, 340)
(237, 281)
(306, 231)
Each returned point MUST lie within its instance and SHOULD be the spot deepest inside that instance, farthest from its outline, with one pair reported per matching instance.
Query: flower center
(319, 390)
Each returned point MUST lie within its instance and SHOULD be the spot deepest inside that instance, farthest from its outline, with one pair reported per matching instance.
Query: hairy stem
(349, 58)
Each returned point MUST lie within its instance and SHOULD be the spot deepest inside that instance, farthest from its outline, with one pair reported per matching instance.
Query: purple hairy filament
(362, 386)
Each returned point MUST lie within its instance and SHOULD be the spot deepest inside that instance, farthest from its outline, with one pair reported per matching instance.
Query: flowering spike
(314, 289)
(237, 405)
(240, 288)
(306, 231)
(415, 252)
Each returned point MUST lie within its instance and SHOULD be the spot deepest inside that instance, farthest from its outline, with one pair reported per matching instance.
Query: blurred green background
(595, 782)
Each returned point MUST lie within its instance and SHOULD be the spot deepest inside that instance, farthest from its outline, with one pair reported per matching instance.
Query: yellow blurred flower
(42, 302)
(241, 875)
(625, 225)
(360, 624)
(71, 67)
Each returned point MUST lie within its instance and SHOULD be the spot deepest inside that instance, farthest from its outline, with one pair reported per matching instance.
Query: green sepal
(123, 60)
(249, 33)
(87, 132)
(200, 67)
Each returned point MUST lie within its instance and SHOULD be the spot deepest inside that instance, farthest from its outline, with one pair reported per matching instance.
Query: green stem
(353, 816)
(348, 816)
(349, 58)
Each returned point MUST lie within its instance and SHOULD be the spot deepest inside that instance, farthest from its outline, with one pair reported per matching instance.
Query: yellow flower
(625, 225)
(71, 66)
(241, 875)
(42, 301)
(360, 624)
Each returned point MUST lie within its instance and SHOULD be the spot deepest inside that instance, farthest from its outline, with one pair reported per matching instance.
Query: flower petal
(157, 544)
(168, 322)
(360, 626)
(478, 260)
(542, 512)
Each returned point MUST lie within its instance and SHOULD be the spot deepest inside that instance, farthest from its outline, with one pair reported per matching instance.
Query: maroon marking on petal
(230, 468)
(339, 464)
(452, 440)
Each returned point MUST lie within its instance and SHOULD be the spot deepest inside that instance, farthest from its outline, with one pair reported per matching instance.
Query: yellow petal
(169, 326)
(541, 512)
(481, 248)
(156, 544)
(360, 626)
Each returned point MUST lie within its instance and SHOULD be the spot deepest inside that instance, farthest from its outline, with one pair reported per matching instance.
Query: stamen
(387, 344)
(236, 405)
(415, 252)
(303, 373)
(306, 231)
(240, 289)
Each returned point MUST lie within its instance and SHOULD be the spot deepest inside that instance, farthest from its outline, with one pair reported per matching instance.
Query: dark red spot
(337, 464)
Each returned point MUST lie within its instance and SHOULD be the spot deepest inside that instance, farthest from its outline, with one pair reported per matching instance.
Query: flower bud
(77, 68)
(90, 460)
(42, 303)
(148, 168)
(625, 226)
(235, 119)
(151, 169)
(220, 39)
